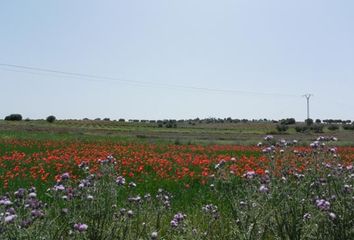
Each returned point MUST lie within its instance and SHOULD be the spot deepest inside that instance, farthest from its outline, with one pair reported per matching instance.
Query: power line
(84, 76)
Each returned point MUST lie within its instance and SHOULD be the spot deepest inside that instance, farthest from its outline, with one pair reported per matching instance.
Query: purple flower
(212, 210)
(59, 187)
(5, 202)
(81, 227)
(268, 137)
(20, 193)
(11, 211)
(323, 204)
(37, 213)
(174, 223)
(268, 149)
(263, 189)
(250, 174)
(177, 219)
(134, 199)
(120, 181)
(65, 176)
(307, 216)
(10, 218)
(333, 150)
(315, 144)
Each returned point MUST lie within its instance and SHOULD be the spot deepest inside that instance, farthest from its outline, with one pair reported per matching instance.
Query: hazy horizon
(177, 59)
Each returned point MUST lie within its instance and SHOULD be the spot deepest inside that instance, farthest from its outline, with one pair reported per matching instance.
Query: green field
(200, 133)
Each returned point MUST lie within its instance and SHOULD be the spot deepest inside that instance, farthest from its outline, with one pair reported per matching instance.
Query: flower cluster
(178, 219)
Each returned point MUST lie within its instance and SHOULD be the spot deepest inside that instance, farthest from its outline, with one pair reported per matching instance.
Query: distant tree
(309, 121)
(347, 121)
(121, 120)
(107, 119)
(318, 121)
(97, 119)
(14, 117)
(172, 123)
(51, 119)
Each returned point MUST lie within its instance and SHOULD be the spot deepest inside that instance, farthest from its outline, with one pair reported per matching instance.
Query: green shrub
(317, 128)
(348, 127)
(282, 128)
(301, 128)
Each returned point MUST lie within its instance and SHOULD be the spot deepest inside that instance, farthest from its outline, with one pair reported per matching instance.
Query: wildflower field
(279, 189)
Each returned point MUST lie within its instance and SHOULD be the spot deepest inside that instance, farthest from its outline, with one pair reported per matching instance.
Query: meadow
(75, 180)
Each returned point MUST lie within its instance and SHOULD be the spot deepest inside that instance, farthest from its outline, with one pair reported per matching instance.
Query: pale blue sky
(266, 46)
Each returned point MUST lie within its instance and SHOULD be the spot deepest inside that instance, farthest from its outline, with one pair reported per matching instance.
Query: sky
(182, 59)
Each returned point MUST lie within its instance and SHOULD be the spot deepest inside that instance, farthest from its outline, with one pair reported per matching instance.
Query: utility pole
(308, 96)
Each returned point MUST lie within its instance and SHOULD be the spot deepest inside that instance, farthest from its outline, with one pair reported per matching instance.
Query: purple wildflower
(263, 189)
(10, 218)
(81, 227)
(65, 176)
(120, 180)
(323, 204)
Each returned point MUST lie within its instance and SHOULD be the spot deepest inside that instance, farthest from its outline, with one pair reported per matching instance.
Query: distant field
(200, 133)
